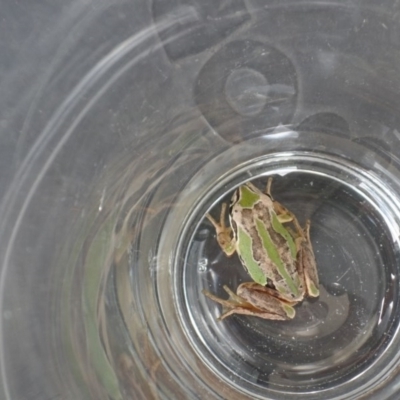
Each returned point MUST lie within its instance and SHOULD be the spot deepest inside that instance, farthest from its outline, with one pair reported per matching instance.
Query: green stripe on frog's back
(279, 228)
(273, 254)
(247, 197)
(244, 249)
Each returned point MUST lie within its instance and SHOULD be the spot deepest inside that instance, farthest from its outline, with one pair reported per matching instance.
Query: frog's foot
(224, 233)
(255, 300)
(233, 301)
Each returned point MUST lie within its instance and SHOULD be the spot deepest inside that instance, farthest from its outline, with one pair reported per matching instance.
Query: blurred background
(122, 123)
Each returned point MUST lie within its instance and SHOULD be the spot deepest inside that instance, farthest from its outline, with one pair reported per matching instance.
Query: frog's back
(265, 247)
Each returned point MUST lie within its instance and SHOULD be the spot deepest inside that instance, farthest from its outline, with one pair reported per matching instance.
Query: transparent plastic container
(123, 123)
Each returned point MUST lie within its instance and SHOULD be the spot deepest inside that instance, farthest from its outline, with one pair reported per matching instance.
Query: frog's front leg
(256, 300)
(224, 233)
(283, 214)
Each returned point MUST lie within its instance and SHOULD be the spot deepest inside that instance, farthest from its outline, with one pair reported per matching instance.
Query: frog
(273, 248)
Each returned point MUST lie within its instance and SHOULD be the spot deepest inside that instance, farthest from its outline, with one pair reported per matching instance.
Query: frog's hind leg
(255, 300)
(233, 305)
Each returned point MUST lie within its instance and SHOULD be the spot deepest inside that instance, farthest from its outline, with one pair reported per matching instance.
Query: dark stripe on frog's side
(275, 256)
(286, 279)
(283, 249)
(279, 228)
(245, 252)
(284, 241)
(259, 266)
